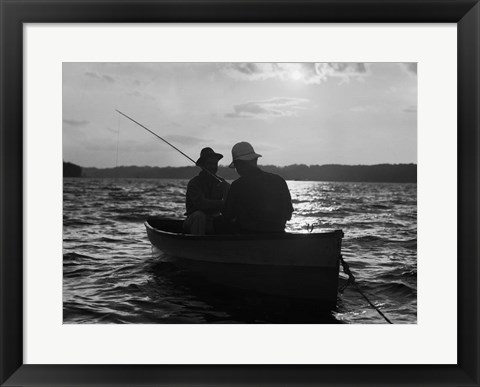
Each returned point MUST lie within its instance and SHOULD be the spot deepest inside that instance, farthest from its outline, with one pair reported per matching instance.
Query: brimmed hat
(206, 154)
(243, 151)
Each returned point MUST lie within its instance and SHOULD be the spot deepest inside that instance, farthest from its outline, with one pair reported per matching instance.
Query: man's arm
(198, 199)
(223, 187)
(229, 211)
(288, 202)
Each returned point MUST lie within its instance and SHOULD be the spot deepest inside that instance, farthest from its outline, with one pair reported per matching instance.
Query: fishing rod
(173, 146)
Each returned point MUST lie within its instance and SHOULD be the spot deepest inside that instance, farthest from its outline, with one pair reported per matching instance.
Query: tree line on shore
(394, 173)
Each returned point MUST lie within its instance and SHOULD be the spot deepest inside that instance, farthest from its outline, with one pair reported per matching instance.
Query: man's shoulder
(237, 182)
(274, 176)
(194, 180)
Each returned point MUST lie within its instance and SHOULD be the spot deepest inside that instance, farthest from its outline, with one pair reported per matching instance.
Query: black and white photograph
(239, 193)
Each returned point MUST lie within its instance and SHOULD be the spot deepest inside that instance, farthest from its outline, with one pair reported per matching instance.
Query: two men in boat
(257, 202)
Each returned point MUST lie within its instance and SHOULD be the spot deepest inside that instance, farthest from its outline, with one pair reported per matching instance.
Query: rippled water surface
(113, 275)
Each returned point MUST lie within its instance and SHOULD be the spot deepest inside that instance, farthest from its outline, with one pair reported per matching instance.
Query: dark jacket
(259, 202)
(204, 193)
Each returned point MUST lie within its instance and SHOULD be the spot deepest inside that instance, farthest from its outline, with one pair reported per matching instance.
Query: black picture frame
(14, 13)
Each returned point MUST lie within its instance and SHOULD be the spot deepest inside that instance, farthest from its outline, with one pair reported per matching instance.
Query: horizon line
(261, 165)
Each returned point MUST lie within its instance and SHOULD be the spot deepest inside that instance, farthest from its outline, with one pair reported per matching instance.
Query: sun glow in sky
(292, 113)
(296, 75)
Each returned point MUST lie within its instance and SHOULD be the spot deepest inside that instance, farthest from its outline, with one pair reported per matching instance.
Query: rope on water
(351, 281)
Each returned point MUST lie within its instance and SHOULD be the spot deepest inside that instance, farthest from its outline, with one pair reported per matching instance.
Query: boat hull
(288, 265)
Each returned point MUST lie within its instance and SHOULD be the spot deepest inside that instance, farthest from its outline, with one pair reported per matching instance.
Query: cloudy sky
(292, 113)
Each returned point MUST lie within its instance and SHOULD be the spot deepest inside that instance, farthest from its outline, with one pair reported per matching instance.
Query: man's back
(260, 202)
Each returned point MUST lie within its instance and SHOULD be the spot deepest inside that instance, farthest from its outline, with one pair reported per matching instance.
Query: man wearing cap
(205, 195)
(258, 201)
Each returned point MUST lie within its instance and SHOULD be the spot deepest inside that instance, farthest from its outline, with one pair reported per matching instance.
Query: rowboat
(294, 265)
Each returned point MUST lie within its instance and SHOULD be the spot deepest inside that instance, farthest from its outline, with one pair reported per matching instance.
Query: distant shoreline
(231, 180)
(379, 173)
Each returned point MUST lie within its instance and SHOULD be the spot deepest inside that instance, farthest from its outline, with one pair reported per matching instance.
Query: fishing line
(118, 140)
(173, 146)
(351, 280)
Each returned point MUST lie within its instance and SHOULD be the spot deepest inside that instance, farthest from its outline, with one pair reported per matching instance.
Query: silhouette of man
(205, 195)
(258, 201)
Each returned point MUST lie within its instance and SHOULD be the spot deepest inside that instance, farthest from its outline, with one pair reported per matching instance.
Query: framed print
(354, 102)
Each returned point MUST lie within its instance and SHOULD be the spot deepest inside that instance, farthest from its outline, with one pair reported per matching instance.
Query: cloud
(249, 68)
(93, 75)
(309, 73)
(108, 78)
(76, 123)
(103, 77)
(271, 108)
(411, 67)
(410, 109)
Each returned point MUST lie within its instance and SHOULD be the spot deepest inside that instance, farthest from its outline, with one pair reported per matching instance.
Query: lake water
(111, 273)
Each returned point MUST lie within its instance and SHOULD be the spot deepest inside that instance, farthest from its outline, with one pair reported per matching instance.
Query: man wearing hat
(205, 195)
(258, 201)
